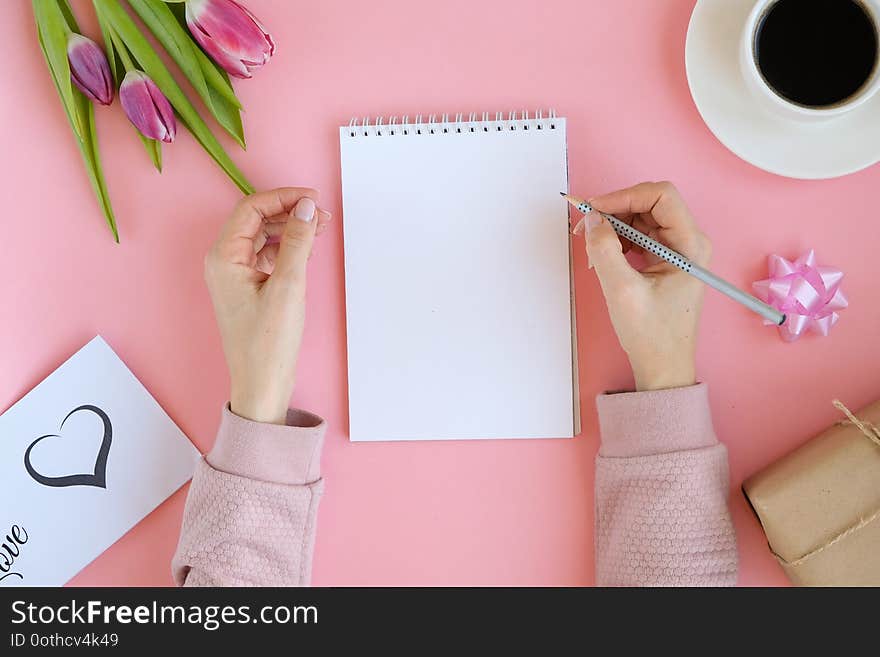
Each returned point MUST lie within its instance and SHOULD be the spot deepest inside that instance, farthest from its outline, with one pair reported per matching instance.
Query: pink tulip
(89, 69)
(231, 34)
(146, 106)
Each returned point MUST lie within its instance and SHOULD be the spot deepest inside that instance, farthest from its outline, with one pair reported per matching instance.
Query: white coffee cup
(782, 106)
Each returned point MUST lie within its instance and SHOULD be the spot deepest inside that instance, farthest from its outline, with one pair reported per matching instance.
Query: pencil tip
(562, 193)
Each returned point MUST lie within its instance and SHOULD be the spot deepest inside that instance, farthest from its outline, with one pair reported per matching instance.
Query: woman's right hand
(655, 311)
(256, 273)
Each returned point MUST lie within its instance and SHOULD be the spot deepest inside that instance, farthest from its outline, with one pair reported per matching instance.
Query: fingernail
(589, 263)
(305, 209)
(593, 220)
(579, 228)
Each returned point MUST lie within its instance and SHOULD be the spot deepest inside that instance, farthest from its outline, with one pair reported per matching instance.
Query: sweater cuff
(270, 452)
(655, 421)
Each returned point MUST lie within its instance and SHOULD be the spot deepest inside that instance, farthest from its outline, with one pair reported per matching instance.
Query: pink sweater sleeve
(250, 514)
(661, 492)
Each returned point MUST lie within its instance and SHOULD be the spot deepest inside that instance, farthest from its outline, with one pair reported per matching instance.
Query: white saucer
(826, 149)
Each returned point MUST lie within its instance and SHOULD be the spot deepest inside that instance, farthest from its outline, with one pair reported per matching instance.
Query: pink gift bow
(809, 295)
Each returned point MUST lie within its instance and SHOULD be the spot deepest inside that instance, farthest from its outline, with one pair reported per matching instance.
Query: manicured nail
(305, 209)
(579, 228)
(593, 220)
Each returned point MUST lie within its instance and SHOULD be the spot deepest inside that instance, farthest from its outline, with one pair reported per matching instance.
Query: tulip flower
(89, 68)
(146, 107)
(230, 34)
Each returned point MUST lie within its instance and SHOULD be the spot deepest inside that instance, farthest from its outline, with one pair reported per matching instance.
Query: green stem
(124, 55)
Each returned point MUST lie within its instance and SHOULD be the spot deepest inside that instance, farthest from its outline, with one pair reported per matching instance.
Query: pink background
(505, 512)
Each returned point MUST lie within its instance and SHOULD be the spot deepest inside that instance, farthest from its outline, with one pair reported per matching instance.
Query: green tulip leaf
(79, 110)
(123, 26)
(67, 12)
(116, 66)
(218, 97)
(92, 156)
(227, 115)
(54, 30)
(154, 150)
(216, 77)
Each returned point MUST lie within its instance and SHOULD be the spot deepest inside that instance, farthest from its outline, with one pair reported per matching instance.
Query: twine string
(872, 433)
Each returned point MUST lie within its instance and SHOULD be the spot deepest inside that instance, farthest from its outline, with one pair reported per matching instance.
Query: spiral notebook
(459, 298)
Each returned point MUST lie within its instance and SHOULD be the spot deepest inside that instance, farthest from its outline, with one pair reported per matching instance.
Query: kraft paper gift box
(820, 504)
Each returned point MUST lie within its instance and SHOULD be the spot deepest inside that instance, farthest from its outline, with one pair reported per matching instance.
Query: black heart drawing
(98, 478)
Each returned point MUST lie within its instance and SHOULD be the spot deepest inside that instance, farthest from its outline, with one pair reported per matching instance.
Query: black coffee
(816, 53)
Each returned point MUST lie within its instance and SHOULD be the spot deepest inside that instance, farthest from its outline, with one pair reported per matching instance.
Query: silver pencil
(638, 238)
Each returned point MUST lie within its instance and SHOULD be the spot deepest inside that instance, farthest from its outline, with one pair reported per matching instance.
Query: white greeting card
(84, 456)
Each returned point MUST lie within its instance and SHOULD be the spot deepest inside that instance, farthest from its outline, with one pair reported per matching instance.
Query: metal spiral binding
(432, 125)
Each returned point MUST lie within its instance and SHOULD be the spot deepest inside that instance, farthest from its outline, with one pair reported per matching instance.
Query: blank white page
(457, 282)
